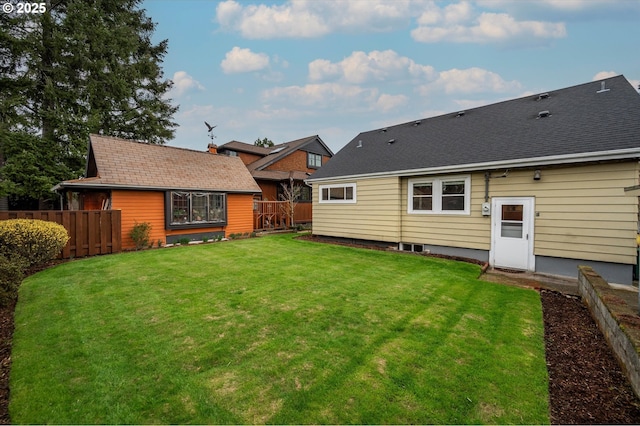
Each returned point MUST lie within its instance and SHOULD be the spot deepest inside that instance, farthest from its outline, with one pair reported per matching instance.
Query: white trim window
(446, 195)
(339, 193)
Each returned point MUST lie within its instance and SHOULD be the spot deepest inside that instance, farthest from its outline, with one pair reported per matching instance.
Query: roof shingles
(581, 121)
(129, 164)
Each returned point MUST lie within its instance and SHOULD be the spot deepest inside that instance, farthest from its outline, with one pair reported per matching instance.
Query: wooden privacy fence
(91, 232)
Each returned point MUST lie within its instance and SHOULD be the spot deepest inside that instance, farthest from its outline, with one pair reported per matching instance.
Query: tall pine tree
(81, 67)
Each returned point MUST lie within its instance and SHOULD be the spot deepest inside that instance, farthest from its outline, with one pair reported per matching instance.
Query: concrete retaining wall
(619, 323)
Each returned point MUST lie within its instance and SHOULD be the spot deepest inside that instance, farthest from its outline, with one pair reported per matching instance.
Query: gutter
(620, 154)
(62, 185)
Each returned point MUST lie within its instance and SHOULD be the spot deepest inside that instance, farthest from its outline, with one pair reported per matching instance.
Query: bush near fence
(91, 232)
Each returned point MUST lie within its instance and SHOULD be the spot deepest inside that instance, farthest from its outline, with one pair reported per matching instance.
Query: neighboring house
(182, 193)
(536, 183)
(283, 164)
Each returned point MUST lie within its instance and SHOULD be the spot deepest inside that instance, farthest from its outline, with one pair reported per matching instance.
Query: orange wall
(239, 213)
(140, 206)
(148, 206)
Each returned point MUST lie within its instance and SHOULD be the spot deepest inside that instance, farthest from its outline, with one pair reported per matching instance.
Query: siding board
(581, 212)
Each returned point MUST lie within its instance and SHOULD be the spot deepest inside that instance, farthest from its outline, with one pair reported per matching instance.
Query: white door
(512, 233)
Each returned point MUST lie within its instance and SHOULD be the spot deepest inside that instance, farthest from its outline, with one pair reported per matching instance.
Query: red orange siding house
(182, 193)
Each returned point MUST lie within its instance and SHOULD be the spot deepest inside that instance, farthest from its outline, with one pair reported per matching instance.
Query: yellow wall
(375, 216)
(581, 212)
(148, 206)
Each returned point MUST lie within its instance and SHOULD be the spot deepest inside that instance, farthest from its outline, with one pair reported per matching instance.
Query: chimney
(213, 148)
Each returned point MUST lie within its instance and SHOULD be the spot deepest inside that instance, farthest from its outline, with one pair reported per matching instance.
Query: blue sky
(290, 69)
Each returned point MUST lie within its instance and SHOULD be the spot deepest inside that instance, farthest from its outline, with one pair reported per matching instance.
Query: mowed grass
(275, 330)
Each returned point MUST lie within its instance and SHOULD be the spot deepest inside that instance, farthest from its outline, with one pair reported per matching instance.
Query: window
(448, 195)
(314, 160)
(193, 209)
(338, 193)
(512, 221)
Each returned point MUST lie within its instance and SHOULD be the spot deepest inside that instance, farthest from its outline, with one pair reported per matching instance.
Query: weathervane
(210, 127)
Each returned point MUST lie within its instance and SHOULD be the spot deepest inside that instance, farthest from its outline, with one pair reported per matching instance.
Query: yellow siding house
(535, 183)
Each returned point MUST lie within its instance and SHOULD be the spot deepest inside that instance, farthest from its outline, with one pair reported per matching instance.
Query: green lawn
(275, 330)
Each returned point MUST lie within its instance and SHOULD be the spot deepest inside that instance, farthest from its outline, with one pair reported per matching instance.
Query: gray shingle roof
(128, 164)
(580, 121)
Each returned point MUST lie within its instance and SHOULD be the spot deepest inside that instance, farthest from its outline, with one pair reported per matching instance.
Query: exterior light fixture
(537, 175)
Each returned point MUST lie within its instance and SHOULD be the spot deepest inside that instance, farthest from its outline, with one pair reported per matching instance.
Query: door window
(511, 223)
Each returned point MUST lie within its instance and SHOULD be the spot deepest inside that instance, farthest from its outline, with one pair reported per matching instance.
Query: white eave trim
(620, 154)
(80, 185)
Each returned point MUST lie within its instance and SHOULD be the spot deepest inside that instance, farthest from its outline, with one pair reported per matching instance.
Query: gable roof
(120, 163)
(581, 123)
(245, 147)
(275, 153)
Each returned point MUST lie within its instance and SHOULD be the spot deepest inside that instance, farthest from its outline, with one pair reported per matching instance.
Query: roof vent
(544, 114)
(417, 122)
(542, 96)
(359, 144)
(391, 141)
(460, 113)
(602, 88)
(383, 130)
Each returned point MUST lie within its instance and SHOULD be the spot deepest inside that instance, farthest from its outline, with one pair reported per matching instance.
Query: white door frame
(528, 223)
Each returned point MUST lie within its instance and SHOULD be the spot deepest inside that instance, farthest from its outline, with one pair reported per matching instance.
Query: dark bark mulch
(586, 384)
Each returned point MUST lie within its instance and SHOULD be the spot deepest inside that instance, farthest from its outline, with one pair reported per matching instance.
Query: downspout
(400, 213)
(487, 176)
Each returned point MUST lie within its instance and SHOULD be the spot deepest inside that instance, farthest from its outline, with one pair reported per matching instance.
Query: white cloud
(320, 95)
(459, 23)
(314, 18)
(604, 74)
(361, 67)
(386, 102)
(278, 21)
(182, 83)
(471, 80)
(489, 27)
(243, 60)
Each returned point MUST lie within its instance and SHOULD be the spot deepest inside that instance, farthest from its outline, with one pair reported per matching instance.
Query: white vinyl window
(342, 193)
(446, 195)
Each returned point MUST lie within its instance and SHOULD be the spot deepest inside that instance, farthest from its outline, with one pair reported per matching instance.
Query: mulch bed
(586, 384)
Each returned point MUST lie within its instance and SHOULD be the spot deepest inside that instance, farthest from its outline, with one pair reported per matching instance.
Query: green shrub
(11, 275)
(184, 241)
(34, 241)
(141, 234)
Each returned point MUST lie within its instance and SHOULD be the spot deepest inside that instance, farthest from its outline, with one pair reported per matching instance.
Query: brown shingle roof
(245, 147)
(128, 164)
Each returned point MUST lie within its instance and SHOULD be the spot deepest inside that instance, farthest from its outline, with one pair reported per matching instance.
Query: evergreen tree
(267, 143)
(81, 67)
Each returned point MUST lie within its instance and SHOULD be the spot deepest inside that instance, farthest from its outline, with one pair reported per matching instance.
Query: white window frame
(340, 185)
(436, 183)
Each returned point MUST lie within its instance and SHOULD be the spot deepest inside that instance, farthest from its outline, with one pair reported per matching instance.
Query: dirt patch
(586, 384)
